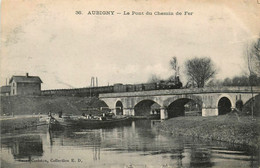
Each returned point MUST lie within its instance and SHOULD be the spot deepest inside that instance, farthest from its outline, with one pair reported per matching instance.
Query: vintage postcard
(130, 83)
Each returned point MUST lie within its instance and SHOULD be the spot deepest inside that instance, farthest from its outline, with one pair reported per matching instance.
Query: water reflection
(24, 148)
(138, 144)
(200, 157)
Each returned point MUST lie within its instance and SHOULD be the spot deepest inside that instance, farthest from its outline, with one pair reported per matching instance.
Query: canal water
(136, 145)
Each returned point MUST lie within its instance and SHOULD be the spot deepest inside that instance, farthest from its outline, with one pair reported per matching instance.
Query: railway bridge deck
(211, 101)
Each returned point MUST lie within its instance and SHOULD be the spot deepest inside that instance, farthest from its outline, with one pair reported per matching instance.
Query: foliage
(174, 63)
(236, 81)
(200, 70)
(253, 58)
(175, 67)
(215, 82)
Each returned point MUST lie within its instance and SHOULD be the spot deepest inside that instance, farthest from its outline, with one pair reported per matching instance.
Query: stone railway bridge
(212, 101)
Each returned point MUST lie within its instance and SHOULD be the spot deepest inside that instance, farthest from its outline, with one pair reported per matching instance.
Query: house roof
(25, 79)
(5, 89)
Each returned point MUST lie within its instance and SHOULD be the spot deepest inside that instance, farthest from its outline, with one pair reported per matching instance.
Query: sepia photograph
(130, 83)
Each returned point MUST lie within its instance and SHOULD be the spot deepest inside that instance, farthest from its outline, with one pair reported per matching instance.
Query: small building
(25, 85)
(5, 90)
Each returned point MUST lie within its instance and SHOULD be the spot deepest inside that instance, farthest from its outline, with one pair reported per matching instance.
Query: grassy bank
(228, 128)
(21, 122)
(28, 105)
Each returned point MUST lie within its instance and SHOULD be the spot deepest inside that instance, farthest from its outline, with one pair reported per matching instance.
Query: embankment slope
(25, 105)
(228, 128)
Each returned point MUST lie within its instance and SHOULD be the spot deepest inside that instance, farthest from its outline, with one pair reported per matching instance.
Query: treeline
(236, 81)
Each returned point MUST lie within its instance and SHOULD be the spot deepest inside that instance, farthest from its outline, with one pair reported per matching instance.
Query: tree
(215, 83)
(200, 70)
(236, 81)
(253, 62)
(253, 58)
(175, 67)
(173, 63)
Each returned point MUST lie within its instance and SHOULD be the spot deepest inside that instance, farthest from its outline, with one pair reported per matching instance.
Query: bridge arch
(147, 107)
(119, 108)
(177, 107)
(227, 96)
(224, 104)
(169, 100)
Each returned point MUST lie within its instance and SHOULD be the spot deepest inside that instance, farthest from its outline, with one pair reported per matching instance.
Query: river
(137, 145)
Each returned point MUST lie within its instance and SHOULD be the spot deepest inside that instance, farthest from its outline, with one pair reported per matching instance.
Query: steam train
(116, 88)
(147, 86)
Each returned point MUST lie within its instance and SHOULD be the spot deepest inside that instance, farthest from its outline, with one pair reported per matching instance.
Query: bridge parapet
(247, 89)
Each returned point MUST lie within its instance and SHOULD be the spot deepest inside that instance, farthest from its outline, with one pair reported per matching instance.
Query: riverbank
(227, 128)
(35, 105)
(20, 122)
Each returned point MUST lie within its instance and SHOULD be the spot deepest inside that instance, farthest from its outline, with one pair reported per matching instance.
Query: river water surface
(136, 145)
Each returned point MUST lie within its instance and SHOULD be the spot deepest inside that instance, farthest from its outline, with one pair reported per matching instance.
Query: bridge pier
(129, 111)
(209, 112)
(163, 114)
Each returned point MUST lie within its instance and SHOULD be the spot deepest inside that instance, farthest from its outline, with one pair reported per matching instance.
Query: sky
(46, 38)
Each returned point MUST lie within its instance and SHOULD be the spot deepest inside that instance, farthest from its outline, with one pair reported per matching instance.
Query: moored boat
(83, 122)
(53, 124)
